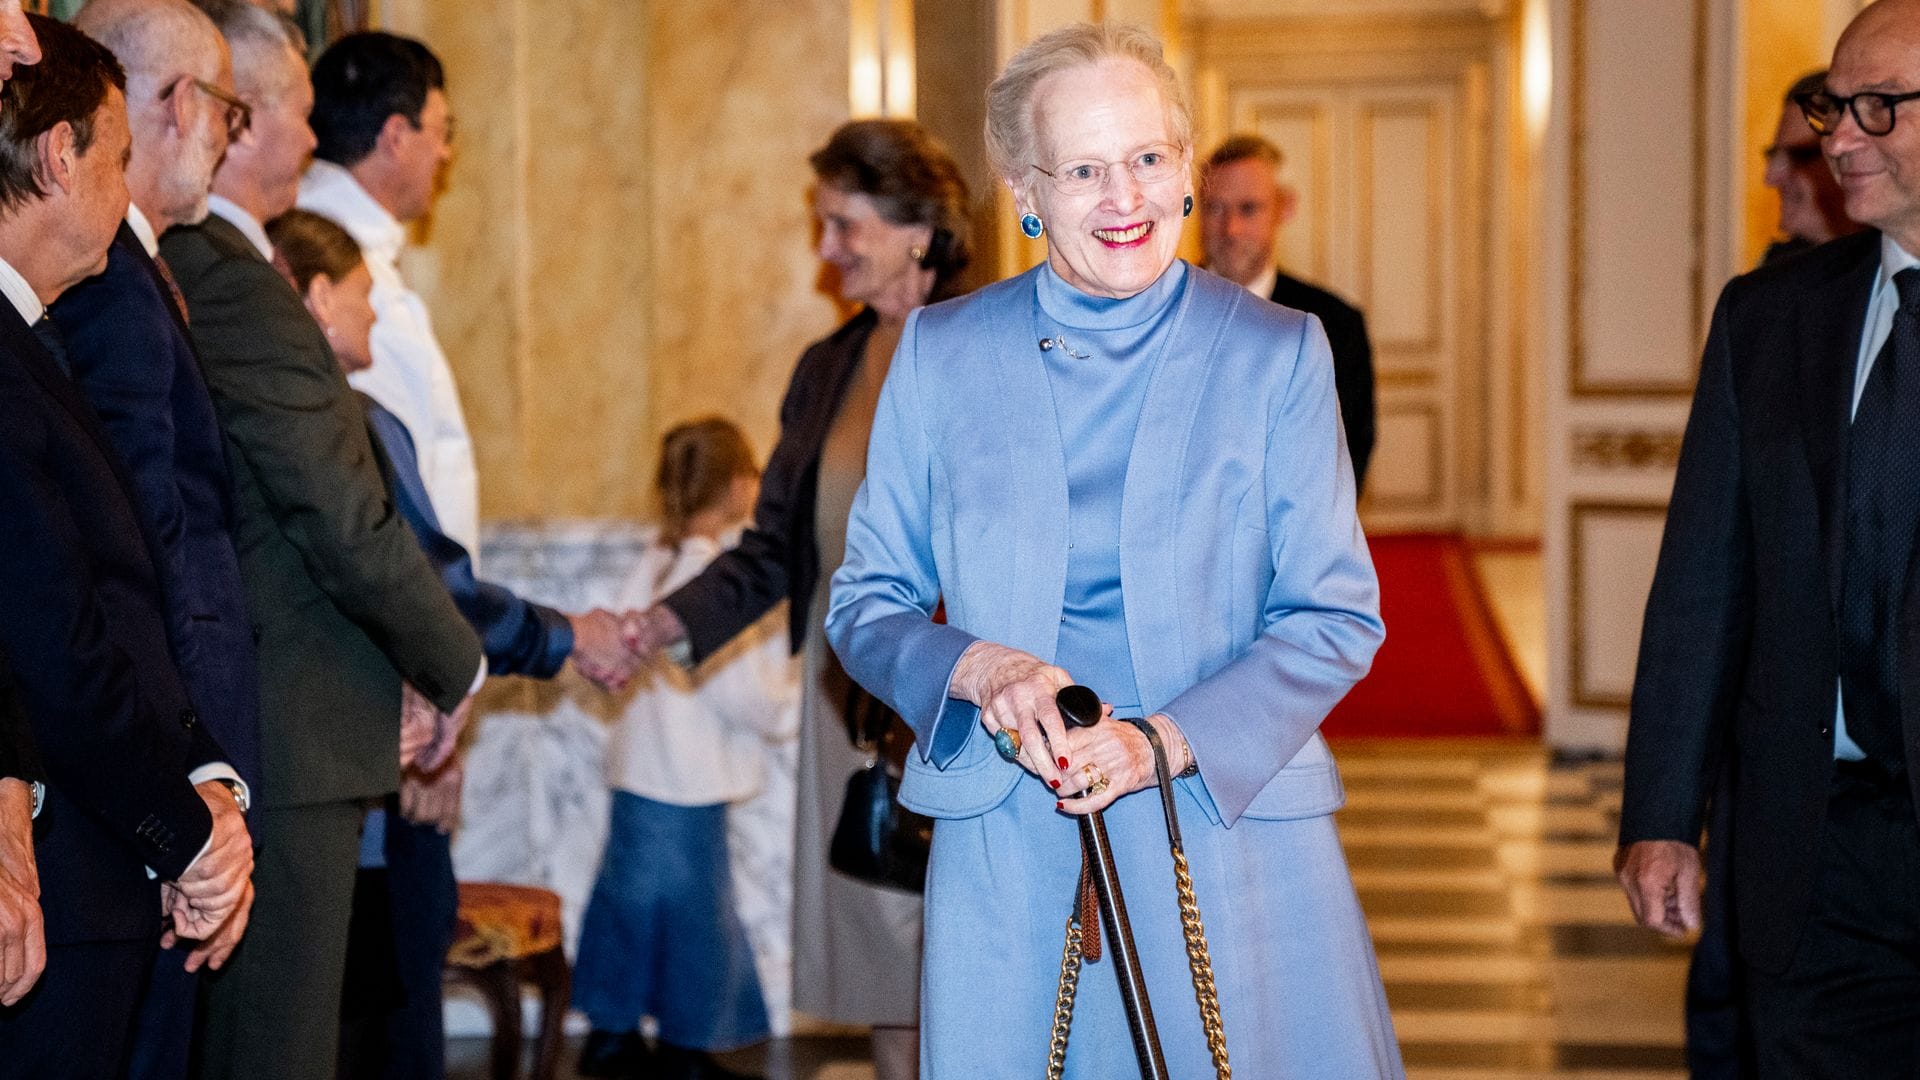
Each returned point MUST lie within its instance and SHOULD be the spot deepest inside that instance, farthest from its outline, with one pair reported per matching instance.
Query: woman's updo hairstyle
(912, 180)
(698, 463)
(1011, 145)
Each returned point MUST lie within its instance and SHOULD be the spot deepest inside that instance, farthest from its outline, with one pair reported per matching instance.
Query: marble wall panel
(743, 93)
(624, 241)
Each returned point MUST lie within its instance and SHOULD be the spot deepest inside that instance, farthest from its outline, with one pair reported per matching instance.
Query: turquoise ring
(1008, 743)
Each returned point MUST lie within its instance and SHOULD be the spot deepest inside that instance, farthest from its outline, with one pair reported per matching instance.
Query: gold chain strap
(1201, 962)
(1063, 1002)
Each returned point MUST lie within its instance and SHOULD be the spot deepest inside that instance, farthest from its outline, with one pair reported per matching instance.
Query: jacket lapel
(1150, 510)
(1833, 316)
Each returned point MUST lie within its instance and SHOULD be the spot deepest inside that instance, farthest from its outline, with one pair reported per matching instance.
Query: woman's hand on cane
(1112, 759)
(1015, 693)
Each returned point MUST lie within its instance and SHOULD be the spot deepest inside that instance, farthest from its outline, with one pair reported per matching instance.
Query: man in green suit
(349, 613)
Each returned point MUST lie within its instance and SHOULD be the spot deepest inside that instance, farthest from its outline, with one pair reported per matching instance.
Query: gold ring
(1099, 786)
(1094, 777)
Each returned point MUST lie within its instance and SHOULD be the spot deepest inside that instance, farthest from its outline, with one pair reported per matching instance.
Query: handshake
(609, 649)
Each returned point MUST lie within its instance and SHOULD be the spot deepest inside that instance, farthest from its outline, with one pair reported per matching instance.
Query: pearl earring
(916, 253)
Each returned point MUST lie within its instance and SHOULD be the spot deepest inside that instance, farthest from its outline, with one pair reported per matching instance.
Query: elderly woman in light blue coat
(1118, 470)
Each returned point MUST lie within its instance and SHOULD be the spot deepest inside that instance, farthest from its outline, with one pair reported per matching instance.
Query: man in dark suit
(1242, 206)
(23, 946)
(347, 608)
(1779, 630)
(128, 349)
(144, 811)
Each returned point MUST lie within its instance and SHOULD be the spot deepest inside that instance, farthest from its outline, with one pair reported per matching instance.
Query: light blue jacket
(1251, 602)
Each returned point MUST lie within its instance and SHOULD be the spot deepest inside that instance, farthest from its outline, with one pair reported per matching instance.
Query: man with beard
(127, 344)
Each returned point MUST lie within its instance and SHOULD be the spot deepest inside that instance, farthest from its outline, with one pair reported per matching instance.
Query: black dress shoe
(679, 1063)
(617, 1055)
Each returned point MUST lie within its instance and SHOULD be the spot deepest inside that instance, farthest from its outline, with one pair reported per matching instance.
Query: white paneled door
(1377, 166)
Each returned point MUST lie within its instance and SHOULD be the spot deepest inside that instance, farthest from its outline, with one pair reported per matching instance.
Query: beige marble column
(625, 241)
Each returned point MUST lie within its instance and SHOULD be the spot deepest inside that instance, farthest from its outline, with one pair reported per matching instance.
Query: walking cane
(1080, 707)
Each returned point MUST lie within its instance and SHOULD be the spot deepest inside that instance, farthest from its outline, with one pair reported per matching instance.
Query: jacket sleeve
(1321, 612)
(97, 730)
(287, 411)
(1699, 615)
(19, 759)
(519, 637)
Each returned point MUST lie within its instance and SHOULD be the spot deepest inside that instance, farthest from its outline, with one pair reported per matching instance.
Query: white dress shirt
(410, 376)
(143, 230)
(697, 738)
(1880, 312)
(249, 226)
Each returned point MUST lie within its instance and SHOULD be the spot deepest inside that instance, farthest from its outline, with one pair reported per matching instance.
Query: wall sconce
(881, 72)
(1536, 67)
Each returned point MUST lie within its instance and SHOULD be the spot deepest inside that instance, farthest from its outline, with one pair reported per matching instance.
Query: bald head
(1879, 174)
(155, 40)
(177, 71)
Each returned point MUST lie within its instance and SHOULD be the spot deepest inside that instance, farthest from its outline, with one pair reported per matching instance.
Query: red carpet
(1444, 671)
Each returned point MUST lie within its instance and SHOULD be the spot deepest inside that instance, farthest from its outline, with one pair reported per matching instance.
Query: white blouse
(698, 738)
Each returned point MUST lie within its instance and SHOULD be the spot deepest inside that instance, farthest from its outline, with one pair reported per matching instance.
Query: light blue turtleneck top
(1097, 402)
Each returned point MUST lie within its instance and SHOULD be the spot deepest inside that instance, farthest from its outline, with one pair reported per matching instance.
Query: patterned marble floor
(1506, 948)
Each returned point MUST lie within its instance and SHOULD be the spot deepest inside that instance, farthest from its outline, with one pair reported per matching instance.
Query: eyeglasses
(239, 113)
(1873, 112)
(1150, 166)
(1798, 156)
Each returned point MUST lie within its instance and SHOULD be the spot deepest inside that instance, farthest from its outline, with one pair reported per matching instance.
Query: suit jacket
(19, 759)
(1252, 606)
(519, 637)
(779, 557)
(345, 604)
(128, 349)
(1346, 331)
(1741, 633)
(84, 633)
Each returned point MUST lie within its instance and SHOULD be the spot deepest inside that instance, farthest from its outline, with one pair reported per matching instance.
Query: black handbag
(877, 840)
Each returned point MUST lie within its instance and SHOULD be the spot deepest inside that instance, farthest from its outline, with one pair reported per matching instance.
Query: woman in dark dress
(892, 211)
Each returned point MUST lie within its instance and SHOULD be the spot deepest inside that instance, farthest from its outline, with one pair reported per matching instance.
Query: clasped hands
(211, 902)
(1015, 692)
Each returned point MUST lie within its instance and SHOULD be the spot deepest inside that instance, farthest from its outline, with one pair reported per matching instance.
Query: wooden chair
(508, 935)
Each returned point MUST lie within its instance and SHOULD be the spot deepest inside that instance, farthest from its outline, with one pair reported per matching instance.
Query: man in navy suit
(144, 811)
(129, 352)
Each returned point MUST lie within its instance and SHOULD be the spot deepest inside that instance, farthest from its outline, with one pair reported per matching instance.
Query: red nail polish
(1055, 784)
(1059, 806)
(1063, 763)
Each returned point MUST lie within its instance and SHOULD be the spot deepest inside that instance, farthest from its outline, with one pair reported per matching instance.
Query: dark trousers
(76, 1021)
(1719, 1046)
(1848, 1005)
(401, 1036)
(274, 1010)
(163, 1026)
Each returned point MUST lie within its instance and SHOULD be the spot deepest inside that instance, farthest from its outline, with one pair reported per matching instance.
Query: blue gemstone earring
(1031, 226)
(1187, 210)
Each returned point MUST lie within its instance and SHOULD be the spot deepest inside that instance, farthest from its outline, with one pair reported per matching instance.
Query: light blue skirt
(1299, 987)
(661, 936)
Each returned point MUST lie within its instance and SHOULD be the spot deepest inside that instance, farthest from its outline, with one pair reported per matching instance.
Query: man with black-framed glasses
(1782, 632)
(125, 334)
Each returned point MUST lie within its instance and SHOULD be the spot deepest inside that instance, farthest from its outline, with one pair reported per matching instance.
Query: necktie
(1882, 509)
(50, 336)
(173, 288)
